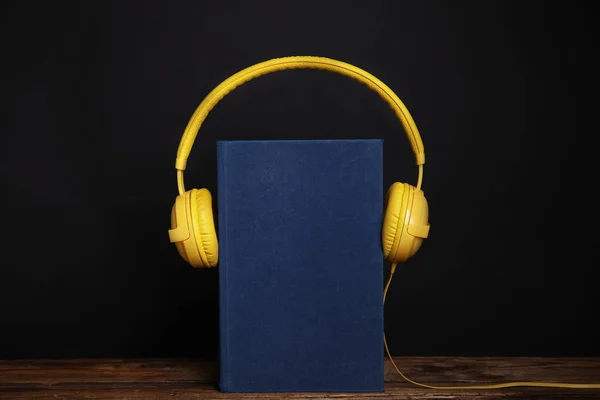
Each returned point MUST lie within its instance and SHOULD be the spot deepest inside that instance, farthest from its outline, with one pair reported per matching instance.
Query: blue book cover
(300, 265)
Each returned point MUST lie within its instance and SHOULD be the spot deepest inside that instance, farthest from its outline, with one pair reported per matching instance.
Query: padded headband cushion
(298, 62)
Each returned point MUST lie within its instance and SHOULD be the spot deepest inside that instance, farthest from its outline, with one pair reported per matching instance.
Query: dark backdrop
(95, 96)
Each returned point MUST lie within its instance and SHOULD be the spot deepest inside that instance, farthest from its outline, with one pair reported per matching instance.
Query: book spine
(222, 268)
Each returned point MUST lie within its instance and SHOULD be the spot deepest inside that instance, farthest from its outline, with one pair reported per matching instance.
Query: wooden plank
(203, 391)
(429, 370)
(191, 378)
(482, 370)
(51, 372)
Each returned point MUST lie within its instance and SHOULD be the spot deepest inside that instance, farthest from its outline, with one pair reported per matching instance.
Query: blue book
(300, 265)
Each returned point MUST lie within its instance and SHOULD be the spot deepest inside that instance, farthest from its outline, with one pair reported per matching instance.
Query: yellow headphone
(406, 221)
(405, 224)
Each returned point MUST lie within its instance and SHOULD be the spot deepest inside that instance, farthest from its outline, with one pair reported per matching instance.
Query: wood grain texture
(195, 379)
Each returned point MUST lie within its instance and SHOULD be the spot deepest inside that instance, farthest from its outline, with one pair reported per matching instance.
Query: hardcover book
(300, 265)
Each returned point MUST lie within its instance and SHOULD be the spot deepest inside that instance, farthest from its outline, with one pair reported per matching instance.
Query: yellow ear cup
(204, 227)
(416, 225)
(406, 222)
(179, 232)
(393, 220)
(193, 230)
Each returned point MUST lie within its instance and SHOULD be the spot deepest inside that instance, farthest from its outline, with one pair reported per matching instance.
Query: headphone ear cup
(179, 232)
(393, 221)
(406, 222)
(203, 227)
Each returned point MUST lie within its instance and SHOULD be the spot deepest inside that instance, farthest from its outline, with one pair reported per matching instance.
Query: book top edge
(301, 141)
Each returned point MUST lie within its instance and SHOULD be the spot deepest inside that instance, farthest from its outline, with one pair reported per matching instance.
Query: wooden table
(196, 379)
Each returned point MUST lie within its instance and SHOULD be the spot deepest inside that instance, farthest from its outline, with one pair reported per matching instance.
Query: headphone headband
(298, 62)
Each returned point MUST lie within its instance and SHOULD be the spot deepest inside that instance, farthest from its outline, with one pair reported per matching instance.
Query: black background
(95, 96)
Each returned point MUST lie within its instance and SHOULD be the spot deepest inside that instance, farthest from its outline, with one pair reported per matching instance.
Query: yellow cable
(483, 387)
